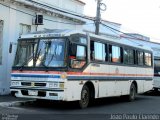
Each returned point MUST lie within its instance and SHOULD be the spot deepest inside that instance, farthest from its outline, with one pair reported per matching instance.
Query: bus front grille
(40, 93)
(35, 84)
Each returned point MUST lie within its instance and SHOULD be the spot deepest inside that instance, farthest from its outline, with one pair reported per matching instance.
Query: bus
(70, 65)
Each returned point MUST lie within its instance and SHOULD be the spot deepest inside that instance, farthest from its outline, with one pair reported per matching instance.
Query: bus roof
(66, 32)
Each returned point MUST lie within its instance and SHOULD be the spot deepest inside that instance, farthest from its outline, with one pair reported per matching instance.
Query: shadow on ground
(152, 93)
(47, 104)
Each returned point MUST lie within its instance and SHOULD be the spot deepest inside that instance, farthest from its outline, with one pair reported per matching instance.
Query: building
(18, 17)
(142, 41)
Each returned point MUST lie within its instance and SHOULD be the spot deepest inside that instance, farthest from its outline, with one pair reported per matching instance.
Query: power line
(133, 37)
(56, 6)
(67, 13)
(63, 11)
(110, 28)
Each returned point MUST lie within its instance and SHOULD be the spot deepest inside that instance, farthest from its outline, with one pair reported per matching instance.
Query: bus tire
(85, 97)
(132, 94)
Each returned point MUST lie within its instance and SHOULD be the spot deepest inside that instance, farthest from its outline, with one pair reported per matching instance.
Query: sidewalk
(9, 100)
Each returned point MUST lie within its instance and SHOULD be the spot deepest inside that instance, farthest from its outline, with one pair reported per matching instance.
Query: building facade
(18, 17)
(142, 41)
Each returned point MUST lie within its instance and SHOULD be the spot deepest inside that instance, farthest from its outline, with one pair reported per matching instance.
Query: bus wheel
(85, 97)
(132, 93)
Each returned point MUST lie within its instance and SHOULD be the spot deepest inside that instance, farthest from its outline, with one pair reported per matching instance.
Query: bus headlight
(61, 85)
(53, 85)
(15, 83)
(56, 85)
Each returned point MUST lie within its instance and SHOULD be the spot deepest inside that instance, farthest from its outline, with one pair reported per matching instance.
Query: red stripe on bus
(81, 73)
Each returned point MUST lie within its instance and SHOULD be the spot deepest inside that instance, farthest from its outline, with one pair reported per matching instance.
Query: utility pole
(98, 15)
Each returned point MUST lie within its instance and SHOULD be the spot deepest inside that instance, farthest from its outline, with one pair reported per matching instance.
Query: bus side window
(92, 50)
(106, 52)
(110, 53)
(140, 58)
(78, 59)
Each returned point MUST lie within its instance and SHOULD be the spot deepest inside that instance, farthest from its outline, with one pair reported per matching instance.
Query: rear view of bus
(66, 65)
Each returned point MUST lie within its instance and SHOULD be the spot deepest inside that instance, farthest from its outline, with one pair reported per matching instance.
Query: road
(107, 108)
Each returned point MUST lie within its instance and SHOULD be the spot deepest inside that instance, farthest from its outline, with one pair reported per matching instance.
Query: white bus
(68, 65)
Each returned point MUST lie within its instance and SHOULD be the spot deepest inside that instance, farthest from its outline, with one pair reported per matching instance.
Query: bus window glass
(83, 40)
(41, 53)
(156, 66)
(128, 56)
(99, 51)
(116, 55)
(25, 53)
(81, 53)
(148, 59)
(80, 60)
(54, 53)
(140, 58)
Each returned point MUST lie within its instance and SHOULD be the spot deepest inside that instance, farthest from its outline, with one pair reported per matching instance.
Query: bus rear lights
(53, 94)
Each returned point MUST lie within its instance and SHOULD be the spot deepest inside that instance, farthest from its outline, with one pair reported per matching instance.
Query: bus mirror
(10, 48)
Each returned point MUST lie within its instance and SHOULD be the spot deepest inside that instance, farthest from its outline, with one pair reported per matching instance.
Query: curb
(16, 103)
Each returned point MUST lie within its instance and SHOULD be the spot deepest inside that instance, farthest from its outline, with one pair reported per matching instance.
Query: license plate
(32, 92)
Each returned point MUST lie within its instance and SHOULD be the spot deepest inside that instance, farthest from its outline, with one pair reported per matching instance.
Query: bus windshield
(41, 53)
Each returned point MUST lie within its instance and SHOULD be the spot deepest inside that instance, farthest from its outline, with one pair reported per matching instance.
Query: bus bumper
(38, 94)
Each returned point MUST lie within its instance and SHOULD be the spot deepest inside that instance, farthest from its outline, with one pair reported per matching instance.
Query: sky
(136, 16)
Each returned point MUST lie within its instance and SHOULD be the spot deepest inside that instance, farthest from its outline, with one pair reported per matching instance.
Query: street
(101, 109)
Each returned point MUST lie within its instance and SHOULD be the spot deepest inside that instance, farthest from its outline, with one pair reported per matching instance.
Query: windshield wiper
(23, 64)
(46, 67)
(42, 61)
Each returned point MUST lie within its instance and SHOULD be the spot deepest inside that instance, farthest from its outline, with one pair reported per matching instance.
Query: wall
(63, 4)
(11, 31)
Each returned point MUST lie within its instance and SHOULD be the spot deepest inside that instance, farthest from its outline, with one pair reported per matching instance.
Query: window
(81, 52)
(79, 39)
(83, 40)
(140, 58)
(24, 29)
(148, 59)
(98, 51)
(128, 56)
(1, 41)
(156, 66)
(78, 58)
(115, 54)
(25, 53)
